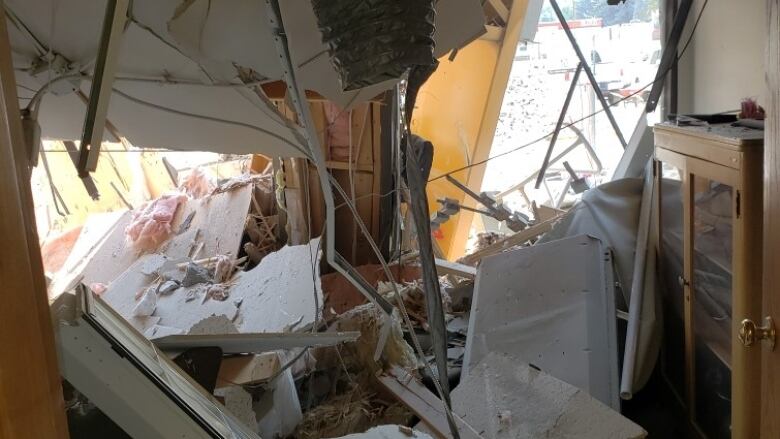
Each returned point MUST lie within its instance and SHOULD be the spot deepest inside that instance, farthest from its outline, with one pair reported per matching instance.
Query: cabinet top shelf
(738, 137)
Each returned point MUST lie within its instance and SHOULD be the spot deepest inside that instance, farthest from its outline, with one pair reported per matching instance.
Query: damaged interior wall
(726, 59)
(351, 144)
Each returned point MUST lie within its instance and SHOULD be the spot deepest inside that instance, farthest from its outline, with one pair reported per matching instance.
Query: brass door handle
(749, 333)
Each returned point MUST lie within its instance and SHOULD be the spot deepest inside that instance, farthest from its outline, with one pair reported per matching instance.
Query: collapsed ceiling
(189, 72)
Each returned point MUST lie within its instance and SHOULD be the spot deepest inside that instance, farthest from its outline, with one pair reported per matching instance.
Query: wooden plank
(344, 166)
(770, 383)
(423, 403)
(248, 369)
(376, 185)
(510, 241)
(31, 403)
(714, 151)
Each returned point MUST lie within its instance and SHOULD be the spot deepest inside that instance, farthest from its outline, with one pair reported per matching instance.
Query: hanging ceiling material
(188, 71)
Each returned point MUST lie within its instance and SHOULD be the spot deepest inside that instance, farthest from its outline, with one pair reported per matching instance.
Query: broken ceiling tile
(503, 397)
(550, 305)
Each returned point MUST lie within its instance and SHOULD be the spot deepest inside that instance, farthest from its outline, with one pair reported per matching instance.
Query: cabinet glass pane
(712, 249)
(671, 269)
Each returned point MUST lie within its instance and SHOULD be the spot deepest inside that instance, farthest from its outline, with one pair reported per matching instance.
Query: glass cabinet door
(711, 285)
(671, 264)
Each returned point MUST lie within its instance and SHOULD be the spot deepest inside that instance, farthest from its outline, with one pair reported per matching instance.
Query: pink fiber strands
(151, 224)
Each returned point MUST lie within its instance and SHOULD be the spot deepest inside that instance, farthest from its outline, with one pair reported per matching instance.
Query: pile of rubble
(205, 276)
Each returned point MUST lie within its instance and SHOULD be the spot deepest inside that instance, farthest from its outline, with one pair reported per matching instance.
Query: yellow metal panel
(457, 110)
(448, 112)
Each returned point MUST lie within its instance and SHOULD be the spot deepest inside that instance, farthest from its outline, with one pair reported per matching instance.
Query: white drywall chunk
(505, 398)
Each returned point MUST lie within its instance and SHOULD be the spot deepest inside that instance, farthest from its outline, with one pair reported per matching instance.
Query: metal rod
(558, 125)
(299, 103)
(588, 72)
(100, 91)
(669, 56)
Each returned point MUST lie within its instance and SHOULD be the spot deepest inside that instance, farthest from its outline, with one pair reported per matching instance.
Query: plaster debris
(505, 398)
(146, 305)
(195, 274)
(167, 287)
(213, 325)
(238, 402)
(217, 292)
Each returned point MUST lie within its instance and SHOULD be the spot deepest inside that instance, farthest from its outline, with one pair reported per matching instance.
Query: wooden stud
(770, 383)
(31, 403)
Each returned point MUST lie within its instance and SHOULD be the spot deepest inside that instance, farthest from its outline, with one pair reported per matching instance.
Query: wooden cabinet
(709, 252)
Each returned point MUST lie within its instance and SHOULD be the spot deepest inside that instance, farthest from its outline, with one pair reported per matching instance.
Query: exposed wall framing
(351, 141)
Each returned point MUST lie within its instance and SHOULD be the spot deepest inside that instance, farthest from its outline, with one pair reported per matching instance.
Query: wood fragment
(511, 241)
(430, 409)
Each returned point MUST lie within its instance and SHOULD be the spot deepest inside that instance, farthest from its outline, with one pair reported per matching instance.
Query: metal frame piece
(514, 220)
(419, 205)
(297, 98)
(255, 343)
(588, 72)
(558, 125)
(149, 395)
(102, 83)
(669, 56)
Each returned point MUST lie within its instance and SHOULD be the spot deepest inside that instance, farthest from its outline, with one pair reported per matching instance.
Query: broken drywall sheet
(216, 228)
(505, 398)
(282, 293)
(278, 295)
(94, 233)
(173, 311)
(550, 305)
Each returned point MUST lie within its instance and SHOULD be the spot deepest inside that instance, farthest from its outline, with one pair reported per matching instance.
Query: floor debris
(503, 397)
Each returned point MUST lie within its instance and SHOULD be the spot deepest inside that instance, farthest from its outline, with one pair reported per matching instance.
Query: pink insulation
(198, 183)
(151, 224)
